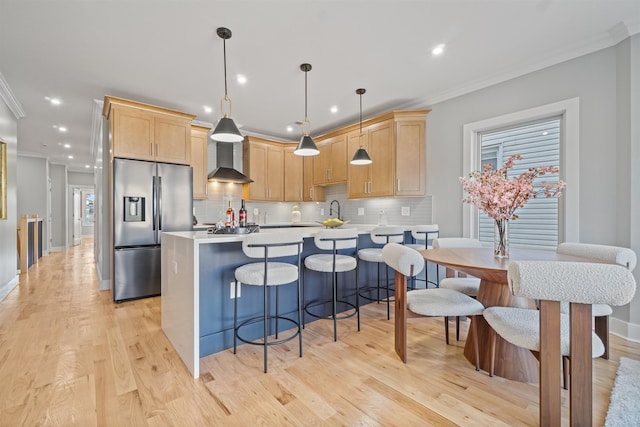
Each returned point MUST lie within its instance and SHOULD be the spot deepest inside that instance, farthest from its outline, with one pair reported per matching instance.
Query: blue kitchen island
(197, 272)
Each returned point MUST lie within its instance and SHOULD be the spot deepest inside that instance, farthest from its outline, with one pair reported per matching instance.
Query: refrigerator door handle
(159, 203)
(154, 211)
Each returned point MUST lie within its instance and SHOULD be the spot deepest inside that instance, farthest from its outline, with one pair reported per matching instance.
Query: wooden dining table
(512, 362)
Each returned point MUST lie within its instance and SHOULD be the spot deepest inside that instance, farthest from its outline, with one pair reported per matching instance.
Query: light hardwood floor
(70, 356)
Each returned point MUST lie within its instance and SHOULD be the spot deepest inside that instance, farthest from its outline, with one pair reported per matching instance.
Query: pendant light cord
(224, 52)
(361, 116)
(306, 117)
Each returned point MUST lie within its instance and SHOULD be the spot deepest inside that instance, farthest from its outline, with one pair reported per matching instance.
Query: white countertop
(201, 236)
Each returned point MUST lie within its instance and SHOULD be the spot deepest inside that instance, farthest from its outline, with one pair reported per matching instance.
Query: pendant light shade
(306, 146)
(226, 130)
(361, 157)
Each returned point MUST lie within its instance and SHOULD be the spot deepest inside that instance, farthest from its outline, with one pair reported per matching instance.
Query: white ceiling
(167, 53)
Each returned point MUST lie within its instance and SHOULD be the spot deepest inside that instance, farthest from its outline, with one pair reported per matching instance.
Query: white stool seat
(466, 285)
(601, 310)
(371, 255)
(324, 263)
(442, 303)
(280, 273)
(521, 327)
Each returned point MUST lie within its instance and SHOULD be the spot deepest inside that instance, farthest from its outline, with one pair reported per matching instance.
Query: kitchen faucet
(331, 208)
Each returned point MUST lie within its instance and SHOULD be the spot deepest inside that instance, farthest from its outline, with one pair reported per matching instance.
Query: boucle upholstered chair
(467, 285)
(334, 240)
(269, 274)
(438, 302)
(612, 254)
(380, 236)
(580, 284)
(421, 234)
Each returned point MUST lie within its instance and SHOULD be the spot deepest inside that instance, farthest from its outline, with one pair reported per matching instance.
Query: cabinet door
(410, 158)
(338, 160)
(199, 153)
(381, 151)
(275, 173)
(293, 176)
(311, 192)
(358, 182)
(321, 163)
(132, 133)
(255, 161)
(172, 139)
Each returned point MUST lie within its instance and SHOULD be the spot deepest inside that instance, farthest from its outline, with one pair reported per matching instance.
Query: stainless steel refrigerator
(148, 198)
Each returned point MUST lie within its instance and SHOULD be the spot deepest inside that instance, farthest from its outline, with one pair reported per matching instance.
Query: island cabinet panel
(146, 132)
(311, 192)
(199, 155)
(330, 166)
(410, 157)
(264, 162)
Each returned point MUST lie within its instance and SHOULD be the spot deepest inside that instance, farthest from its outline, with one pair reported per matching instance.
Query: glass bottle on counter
(242, 216)
(231, 216)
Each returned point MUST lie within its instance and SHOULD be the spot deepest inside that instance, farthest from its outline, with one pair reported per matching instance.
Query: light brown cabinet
(146, 132)
(263, 160)
(396, 144)
(293, 175)
(330, 166)
(199, 156)
(311, 192)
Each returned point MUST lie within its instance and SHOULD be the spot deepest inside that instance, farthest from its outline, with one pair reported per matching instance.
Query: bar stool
(380, 236)
(424, 233)
(334, 240)
(269, 274)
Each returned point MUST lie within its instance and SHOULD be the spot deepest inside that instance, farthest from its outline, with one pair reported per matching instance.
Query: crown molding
(202, 124)
(31, 154)
(10, 99)
(96, 127)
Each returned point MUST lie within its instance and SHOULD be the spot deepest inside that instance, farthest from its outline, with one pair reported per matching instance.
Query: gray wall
(607, 84)
(59, 214)
(8, 252)
(32, 192)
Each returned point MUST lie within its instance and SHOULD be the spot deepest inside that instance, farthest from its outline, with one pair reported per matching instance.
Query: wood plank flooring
(69, 356)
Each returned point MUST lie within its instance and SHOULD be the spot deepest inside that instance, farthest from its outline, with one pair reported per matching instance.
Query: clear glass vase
(501, 238)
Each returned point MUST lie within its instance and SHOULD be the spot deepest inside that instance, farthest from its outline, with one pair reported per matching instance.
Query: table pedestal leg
(511, 362)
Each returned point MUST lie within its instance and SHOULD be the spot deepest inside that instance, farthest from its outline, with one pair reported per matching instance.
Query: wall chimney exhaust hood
(225, 171)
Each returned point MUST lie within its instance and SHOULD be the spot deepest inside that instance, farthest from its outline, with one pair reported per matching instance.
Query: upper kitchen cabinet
(263, 162)
(330, 166)
(311, 192)
(146, 132)
(199, 156)
(293, 175)
(396, 144)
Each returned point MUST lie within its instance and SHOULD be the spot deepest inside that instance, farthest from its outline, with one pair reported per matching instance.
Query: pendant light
(361, 157)
(226, 130)
(306, 146)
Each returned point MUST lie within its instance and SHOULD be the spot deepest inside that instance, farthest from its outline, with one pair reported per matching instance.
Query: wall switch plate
(360, 211)
(406, 211)
(232, 291)
(256, 211)
(321, 212)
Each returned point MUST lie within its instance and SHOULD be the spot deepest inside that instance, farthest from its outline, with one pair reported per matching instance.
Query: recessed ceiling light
(53, 101)
(62, 128)
(67, 145)
(334, 109)
(87, 166)
(69, 157)
(289, 128)
(241, 79)
(438, 49)
(207, 109)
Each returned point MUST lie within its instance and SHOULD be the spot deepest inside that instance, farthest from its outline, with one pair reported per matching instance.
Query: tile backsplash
(213, 208)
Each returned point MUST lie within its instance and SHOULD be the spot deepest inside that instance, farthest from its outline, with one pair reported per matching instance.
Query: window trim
(569, 203)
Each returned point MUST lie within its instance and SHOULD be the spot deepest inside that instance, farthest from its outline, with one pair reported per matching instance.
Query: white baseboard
(8, 287)
(58, 248)
(626, 330)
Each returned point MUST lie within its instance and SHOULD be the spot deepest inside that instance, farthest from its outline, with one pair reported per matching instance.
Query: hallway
(70, 356)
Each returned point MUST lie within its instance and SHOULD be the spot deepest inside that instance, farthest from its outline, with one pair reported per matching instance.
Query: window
(567, 114)
(539, 145)
(88, 200)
